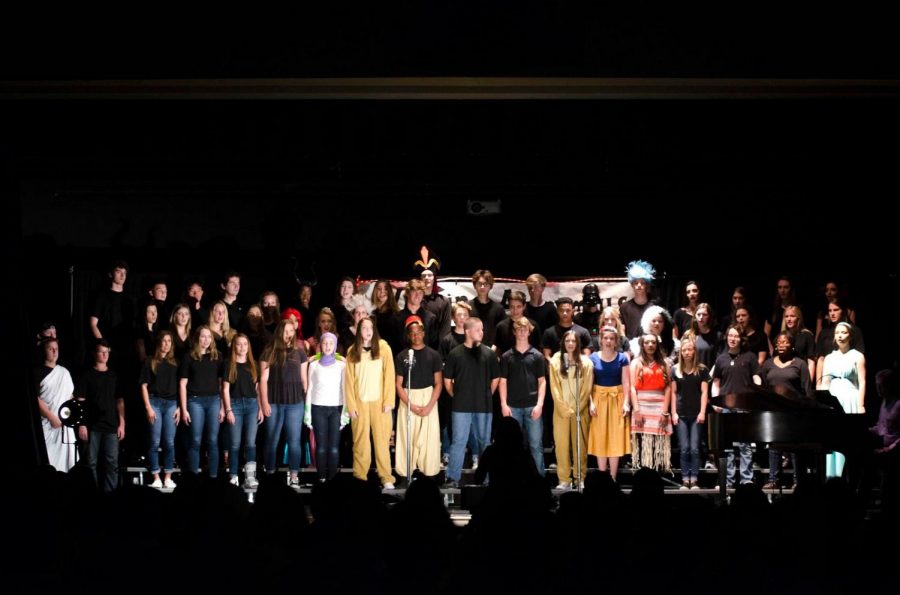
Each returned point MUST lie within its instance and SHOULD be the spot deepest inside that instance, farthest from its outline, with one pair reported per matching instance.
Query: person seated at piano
(886, 435)
(844, 376)
(736, 371)
(787, 372)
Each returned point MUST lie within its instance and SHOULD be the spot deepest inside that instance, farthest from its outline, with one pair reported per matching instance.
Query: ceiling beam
(450, 88)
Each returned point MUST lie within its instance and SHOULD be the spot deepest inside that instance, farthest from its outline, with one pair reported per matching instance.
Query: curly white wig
(651, 313)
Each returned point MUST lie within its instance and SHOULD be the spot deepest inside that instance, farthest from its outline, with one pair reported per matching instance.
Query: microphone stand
(409, 366)
(578, 477)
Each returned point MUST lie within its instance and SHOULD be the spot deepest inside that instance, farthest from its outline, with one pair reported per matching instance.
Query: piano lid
(777, 398)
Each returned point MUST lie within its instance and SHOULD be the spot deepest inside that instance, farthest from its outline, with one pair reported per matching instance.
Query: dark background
(728, 190)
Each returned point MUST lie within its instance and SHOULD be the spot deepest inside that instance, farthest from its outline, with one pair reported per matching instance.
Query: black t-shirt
(682, 321)
(631, 314)
(553, 336)
(427, 361)
(99, 390)
(162, 384)
(243, 386)
(688, 392)
(708, 345)
(449, 342)
(490, 315)
(805, 344)
(203, 375)
(235, 313)
(735, 372)
(505, 339)
(522, 371)
(115, 313)
(472, 371)
(544, 316)
(757, 342)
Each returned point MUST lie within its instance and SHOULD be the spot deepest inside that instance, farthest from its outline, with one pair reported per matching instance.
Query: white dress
(56, 389)
(844, 373)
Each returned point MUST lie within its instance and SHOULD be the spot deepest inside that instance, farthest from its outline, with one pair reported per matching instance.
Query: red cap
(411, 320)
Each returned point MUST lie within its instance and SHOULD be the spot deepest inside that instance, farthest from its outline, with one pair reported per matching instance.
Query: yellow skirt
(610, 432)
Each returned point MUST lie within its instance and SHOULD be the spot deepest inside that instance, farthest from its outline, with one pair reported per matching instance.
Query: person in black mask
(589, 317)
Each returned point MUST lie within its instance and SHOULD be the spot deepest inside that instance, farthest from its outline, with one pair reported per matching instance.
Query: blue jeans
(204, 412)
(480, 424)
(689, 444)
(109, 444)
(326, 421)
(245, 411)
(746, 463)
(163, 426)
(289, 417)
(534, 433)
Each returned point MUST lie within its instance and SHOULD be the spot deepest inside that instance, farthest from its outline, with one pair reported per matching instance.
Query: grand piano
(785, 420)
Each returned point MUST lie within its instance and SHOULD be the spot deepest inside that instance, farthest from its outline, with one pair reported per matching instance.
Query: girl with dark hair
(651, 396)
(844, 376)
(832, 292)
(282, 388)
(784, 297)
(386, 307)
(570, 387)
(343, 292)
(755, 342)
(369, 394)
(180, 324)
(145, 333)
(684, 316)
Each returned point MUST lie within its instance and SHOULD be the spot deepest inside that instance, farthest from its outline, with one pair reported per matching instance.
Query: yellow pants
(564, 435)
(425, 443)
(372, 418)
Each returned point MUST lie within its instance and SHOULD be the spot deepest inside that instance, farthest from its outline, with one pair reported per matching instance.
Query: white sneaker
(251, 482)
(234, 480)
(564, 486)
(388, 486)
(474, 462)
(580, 485)
(157, 483)
(710, 466)
(169, 484)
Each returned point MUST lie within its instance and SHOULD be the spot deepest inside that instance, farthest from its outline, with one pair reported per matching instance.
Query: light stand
(410, 362)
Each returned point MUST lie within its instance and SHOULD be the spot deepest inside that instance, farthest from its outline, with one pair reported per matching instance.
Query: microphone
(410, 358)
